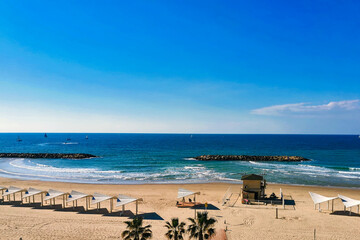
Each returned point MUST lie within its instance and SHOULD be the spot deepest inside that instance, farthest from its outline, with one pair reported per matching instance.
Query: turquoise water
(167, 158)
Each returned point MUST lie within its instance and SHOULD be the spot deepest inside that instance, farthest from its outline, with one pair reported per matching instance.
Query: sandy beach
(241, 221)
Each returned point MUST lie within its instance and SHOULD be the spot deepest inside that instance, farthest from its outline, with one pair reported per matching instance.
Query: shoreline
(232, 182)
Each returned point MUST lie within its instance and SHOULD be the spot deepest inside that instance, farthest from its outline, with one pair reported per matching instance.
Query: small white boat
(86, 137)
(19, 139)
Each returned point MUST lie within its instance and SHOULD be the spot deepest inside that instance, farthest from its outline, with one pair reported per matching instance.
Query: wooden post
(277, 214)
(332, 205)
(111, 204)
(123, 209)
(41, 199)
(64, 201)
(33, 199)
(315, 234)
(283, 202)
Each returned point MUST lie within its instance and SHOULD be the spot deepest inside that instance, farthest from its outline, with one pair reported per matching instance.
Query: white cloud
(301, 108)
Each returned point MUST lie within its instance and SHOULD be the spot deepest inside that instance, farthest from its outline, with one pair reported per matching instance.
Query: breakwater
(47, 155)
(251, 158)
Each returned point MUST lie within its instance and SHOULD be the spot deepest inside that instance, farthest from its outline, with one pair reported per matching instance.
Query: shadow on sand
(345, 213)
(126, 213)
(102, 211)
(202, 207)
(71, 209)
(150, 216)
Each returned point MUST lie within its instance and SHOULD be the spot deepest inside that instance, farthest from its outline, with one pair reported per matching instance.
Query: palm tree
(175, 230)
(135, 230)
(202, 227)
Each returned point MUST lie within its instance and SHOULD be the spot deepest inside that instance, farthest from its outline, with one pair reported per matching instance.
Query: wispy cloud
(302, 108)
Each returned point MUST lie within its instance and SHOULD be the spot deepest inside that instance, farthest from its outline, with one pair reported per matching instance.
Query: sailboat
(45, 135)
(86, 137)
(19, 139)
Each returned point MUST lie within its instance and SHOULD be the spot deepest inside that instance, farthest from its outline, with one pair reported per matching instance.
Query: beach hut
(349, 203)
(32, 192)
(253, 187)
(183, 193)
(2, 189)
(318, 199)
(52, 194)
(122, 200)
(74, 196)
(97, 198)
(12, 191)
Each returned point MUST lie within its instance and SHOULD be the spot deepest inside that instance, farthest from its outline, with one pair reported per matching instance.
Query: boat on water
(86, 137)
(68, 139)
(19, 139)
(45, 135)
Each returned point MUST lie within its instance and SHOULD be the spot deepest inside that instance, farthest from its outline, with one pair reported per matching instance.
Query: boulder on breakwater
(251, 158)
(47, 155)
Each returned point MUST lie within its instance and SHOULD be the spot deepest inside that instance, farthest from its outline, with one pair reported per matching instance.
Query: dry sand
(242, 221)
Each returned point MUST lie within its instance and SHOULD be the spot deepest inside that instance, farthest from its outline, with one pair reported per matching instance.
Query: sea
(169, 158)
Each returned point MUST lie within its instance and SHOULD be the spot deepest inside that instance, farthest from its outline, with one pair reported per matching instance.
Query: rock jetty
(251, 158)
(47, 155)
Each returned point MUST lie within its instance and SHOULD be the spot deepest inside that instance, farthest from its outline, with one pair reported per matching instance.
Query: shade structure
(12, 191)
(349, 202)
(97, 198)
(122, 200)
(53, 194)
(318, 199)
(2, 189)
(74, 196)
(184, 193)
(31, 192)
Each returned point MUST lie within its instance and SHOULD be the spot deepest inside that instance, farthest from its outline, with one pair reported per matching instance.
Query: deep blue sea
(167, 158)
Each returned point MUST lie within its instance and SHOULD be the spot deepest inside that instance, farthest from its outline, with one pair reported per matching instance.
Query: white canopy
(12, 190)
(184, 193)
(2, 188)
(97, 198)
(75, 195)
(317, 198)
(349, 202)
(53, 194)
(123, 200)
(32, 192)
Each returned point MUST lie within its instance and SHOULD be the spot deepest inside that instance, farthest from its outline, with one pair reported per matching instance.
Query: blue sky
(180, 66)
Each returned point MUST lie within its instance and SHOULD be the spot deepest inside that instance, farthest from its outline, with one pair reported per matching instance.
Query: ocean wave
(188, 173)
(20, 163)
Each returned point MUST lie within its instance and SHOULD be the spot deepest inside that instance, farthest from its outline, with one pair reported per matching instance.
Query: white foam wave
(20, 163)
